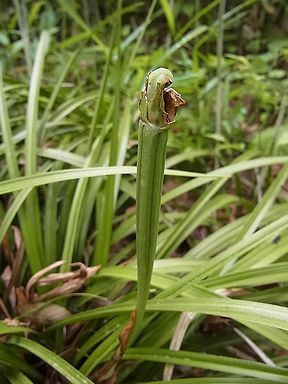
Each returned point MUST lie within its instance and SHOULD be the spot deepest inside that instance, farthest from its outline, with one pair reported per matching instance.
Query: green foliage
(69, 92)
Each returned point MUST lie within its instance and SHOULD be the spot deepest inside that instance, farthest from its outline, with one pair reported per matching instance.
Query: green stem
(150, 173)
(158, 106)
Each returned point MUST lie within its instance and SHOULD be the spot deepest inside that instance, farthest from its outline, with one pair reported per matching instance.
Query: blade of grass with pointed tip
(33, 105)
(103, 240)
(32, 204)
(13, 171)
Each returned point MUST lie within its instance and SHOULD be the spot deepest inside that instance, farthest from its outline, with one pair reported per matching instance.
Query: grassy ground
(70, 77)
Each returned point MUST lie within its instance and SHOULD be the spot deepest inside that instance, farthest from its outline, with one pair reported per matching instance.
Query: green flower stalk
(158, 106)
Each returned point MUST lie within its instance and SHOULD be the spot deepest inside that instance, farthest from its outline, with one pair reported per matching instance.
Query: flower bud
(158, 103)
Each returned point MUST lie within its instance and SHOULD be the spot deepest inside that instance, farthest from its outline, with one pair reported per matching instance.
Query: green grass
(69, 90)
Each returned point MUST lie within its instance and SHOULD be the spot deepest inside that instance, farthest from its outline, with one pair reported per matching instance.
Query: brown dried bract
(172, 101)
(29, 304)
(126, 332)
(69, 281)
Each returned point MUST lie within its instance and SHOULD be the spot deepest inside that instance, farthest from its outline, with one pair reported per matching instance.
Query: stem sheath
(158, 106)
(150, 173)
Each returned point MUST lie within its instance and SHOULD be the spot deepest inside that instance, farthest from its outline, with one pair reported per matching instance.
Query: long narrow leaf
(55, 361)
(211, 362)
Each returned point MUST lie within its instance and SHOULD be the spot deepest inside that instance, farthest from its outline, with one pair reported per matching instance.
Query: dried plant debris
(27, 303)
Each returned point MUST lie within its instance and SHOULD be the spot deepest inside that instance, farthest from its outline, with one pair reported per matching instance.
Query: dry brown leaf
(126, 332)
(37, 276)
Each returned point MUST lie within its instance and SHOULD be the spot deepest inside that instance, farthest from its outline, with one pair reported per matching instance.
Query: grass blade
(12, 212)
(16, 377)
(33, 105)
(103, 240)
(55, 361)
(205, 361)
